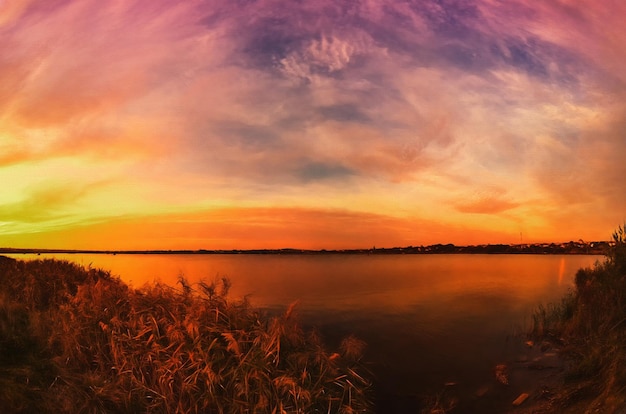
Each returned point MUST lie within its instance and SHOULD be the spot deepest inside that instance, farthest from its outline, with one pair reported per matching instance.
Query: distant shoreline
(590, 248)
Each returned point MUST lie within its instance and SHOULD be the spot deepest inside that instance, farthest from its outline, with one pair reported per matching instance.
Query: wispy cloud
(485, 205)
(42, 204)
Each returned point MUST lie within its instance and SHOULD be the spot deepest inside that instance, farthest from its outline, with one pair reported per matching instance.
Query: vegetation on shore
(76, 340)
(590, 326)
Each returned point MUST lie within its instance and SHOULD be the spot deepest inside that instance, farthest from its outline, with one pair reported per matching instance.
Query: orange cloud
(487, 205)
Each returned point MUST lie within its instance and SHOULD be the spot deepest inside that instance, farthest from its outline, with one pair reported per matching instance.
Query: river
(428, 319)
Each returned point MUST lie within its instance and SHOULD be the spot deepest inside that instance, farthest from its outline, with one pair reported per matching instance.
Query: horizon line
(571, 243)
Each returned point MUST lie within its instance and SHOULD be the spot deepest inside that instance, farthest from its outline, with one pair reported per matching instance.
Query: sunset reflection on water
(387, 283)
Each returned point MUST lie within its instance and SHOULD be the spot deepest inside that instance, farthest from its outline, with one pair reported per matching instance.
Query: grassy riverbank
(79, 340)
(590, 327)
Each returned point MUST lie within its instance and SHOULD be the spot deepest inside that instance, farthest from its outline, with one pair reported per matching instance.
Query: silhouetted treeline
(571, 247)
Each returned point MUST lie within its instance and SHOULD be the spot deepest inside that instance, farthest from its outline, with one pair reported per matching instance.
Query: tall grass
(75, 340)
(590, 323)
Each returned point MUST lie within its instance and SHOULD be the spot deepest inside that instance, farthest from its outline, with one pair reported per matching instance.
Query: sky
(226, 124)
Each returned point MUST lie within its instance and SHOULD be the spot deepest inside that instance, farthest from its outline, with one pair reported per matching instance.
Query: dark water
(428, 319)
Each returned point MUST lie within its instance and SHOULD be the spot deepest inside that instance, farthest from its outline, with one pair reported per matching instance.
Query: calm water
(427, 319)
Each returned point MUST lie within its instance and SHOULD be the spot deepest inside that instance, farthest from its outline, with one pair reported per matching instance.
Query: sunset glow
(141, 124)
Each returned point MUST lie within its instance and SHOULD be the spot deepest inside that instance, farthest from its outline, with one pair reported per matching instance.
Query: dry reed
(590, 325)
(79, 340)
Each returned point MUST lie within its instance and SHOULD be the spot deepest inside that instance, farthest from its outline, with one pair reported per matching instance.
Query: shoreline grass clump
(76, 340)
(590, 324)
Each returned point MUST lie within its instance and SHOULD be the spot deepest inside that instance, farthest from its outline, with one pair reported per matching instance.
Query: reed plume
(80, 340)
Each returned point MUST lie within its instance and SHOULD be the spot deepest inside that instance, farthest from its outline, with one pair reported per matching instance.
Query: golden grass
(80, 340)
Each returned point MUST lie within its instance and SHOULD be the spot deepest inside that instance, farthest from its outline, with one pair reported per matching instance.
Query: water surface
(427, 319)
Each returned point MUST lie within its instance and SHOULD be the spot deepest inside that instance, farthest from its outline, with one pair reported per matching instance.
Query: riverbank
(576, 347)
(79, 340)
(589, 328)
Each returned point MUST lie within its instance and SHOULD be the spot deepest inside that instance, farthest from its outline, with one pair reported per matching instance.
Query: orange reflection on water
(387, 283)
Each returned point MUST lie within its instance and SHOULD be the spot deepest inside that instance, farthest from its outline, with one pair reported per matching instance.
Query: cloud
(345, 112)
(320, 171)
(587, 169)
(326, 56)
(43, 204)
(12, 153)
(341, 49)
(100, 64)
(487, 205)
